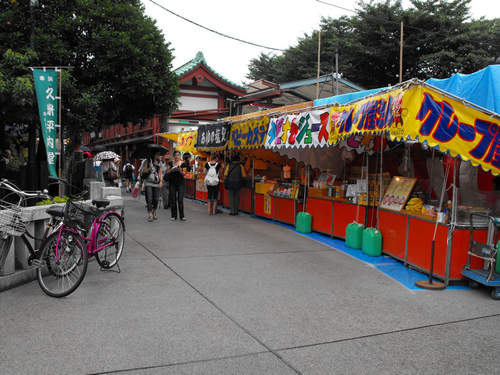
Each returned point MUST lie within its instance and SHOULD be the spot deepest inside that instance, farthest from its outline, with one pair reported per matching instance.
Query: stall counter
(409, 239)
(190, 189)
(281, 209)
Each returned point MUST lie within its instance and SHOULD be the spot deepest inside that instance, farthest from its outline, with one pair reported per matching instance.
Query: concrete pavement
(238, 295)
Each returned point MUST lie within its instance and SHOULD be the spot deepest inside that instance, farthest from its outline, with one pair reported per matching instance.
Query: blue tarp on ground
(481, 88)
(385, 264)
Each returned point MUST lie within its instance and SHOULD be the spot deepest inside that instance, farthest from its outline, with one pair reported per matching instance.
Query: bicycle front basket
(82, 214)
(14, 219)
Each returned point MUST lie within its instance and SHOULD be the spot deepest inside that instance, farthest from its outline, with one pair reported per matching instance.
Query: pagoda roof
(198, 61)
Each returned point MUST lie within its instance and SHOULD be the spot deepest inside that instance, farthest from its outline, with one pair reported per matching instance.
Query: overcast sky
(268, 23)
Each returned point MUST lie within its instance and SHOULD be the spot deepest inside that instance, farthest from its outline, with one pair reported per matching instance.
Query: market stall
(338, 161)
(211, 138)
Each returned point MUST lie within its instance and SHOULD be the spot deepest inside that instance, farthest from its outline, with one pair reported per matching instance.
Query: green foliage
(119, 65)
(440, 40)
(56, 200)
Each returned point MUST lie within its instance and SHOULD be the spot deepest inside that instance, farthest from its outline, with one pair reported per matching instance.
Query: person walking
(212, 181)
(151, 174)
(234, 174)
(109, 171)
(166, 184)
(128, 171)
(177, 168)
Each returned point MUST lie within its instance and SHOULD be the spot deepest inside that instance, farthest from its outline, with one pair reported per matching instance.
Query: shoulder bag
(226, 185)
(145, 175)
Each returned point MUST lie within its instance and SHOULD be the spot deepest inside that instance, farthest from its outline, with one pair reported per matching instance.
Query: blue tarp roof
(345, 98)
(481, 88)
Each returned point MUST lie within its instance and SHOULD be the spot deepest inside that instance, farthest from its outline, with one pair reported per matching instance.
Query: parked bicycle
(75, 232)
(85, 231)
(15, 216)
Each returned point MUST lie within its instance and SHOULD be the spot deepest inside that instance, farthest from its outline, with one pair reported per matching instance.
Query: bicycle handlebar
(59, 181)
(25, 194)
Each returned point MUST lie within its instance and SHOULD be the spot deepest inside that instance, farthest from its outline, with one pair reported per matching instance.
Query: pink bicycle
(85, 231)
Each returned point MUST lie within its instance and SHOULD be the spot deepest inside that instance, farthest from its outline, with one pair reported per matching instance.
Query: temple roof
(198, 60)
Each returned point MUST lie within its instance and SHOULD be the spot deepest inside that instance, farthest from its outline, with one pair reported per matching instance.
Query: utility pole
(32, 170)
(335, 89)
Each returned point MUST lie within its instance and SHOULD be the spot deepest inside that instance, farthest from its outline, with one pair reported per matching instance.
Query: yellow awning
(172, 136)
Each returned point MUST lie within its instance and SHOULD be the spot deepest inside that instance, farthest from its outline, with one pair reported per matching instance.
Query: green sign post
(46, 93)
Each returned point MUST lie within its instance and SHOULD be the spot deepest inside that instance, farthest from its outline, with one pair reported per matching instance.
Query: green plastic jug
(372, 242)
(304, 222)
(354, 235)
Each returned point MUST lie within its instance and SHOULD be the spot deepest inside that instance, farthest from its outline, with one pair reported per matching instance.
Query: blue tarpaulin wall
(481, 88)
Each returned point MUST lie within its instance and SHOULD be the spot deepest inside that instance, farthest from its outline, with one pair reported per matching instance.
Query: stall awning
(172, 136)
(417, 111)
(130, 141)
(481, 88)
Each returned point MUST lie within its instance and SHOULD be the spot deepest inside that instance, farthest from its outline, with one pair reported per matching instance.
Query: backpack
(128, 169)
(212, 179)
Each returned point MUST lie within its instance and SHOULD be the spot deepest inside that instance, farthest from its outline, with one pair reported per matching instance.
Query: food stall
(410, 111)
(211, 138)
(331, 184)
(268, 193)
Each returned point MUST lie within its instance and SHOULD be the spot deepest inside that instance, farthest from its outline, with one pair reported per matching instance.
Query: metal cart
(486, 276)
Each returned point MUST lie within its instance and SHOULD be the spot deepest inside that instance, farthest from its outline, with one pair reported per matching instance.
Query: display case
(476, 201)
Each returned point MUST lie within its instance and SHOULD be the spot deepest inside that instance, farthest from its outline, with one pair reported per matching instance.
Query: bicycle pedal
(105, 264)
(37, 263)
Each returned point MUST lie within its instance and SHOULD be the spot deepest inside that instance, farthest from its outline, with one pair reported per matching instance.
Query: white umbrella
(106, 155)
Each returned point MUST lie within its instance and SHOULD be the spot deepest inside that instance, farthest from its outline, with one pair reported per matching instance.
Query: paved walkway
(238, 295)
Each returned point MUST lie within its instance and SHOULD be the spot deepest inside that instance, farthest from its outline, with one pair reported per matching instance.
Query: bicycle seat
(101, 202)
(55, 211)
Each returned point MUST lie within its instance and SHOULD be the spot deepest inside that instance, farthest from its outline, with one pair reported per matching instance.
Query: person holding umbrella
(109, 171)
(151, 174)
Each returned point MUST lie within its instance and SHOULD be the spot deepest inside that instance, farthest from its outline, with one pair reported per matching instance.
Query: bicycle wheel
(63, 263)
(111, 238)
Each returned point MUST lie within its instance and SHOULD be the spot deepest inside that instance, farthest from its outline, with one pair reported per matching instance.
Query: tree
(121, 68)
(439, 41)
(17, 100)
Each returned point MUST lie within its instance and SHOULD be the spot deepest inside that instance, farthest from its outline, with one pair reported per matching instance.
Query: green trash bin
(304, 222)
(354, 235)
(372, 242)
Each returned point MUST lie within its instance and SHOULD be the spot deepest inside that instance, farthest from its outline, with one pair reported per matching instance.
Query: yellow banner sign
(249, 134)
(371, 115)
(186, 141)
(427, 115)
(453, 126)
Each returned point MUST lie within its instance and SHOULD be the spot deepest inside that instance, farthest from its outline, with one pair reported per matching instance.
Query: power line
(323, 2)
(216, 32)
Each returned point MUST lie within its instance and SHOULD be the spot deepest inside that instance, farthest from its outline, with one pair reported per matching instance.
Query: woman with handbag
(109, 171)
(175, 174)
(151, 174)
(234, 176)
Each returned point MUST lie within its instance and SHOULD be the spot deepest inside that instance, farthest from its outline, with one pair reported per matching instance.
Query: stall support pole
(452, 224)
(382, 136)
(430, 284)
